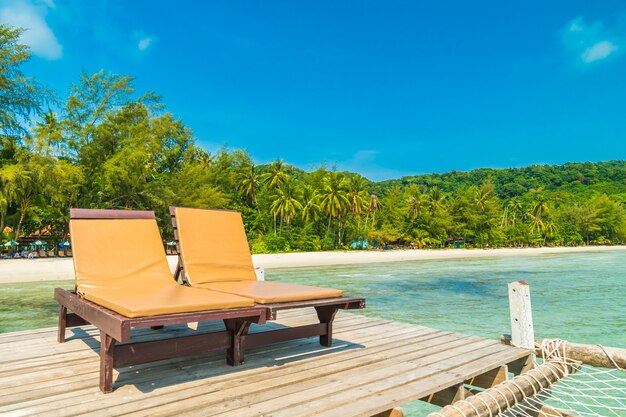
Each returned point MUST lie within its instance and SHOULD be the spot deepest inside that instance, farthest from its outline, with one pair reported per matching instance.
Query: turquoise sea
(579, 297)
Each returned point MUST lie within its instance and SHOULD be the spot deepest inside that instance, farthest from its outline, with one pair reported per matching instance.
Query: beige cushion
(264, 292)
(121, 265)
(213, 246)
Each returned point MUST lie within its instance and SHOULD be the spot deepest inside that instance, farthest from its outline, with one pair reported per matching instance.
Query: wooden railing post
(522, 330)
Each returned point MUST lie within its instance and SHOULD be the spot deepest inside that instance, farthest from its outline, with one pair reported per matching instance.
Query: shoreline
(59, 269)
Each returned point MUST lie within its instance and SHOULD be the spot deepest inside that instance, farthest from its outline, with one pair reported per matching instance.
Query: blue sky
(382, 88)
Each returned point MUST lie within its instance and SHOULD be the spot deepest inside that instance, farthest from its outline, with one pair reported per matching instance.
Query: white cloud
(598, 51)
(591, 42)
(144, 43)
(37, 34)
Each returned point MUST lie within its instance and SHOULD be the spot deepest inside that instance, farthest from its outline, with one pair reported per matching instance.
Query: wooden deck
(373, 366)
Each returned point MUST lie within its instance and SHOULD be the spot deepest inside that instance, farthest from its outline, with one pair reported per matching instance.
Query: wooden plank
(248, 379)
(155, 350)
(509, 393)
(203, 371)
(18, 379)
(364, 374)
(105, 320)
(363, 405)
(81, 213)
(254, 380)
(282, 335)
(321, 391)
(394, 412)
(594, 355)
(490, 378)
(447, 395)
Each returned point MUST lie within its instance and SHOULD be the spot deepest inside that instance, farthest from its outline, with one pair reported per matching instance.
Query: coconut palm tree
(249, 182)
(276, 175)
(357, 197)
(515, 207)
(536, 215)
(435, 199)
(484, 194)
(310, 207)
(540, 209)
(4, 204)
(333, 197)
(415, 201)
(373, 206)
(549, 230)
(286, 204)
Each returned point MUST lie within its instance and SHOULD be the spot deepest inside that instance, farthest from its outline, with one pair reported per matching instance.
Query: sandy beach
(52, 269)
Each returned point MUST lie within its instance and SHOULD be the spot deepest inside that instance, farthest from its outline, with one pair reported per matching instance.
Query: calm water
(579, 297)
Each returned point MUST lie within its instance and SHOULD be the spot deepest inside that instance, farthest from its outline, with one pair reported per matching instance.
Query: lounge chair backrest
(213, 246)
(117, 249)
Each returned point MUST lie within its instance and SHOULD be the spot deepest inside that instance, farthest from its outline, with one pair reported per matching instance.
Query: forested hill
(582, 179)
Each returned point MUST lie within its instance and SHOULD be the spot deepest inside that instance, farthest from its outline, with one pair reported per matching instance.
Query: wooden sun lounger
(116, 328)
(326, 309)
(116, 346)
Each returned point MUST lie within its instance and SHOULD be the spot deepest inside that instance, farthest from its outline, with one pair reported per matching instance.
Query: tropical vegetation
(106, 145)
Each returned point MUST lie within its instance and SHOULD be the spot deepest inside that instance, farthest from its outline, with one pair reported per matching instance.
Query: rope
(586, 392)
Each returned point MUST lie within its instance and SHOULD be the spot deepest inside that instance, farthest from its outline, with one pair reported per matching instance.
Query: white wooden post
(260, 273)
(522, 331)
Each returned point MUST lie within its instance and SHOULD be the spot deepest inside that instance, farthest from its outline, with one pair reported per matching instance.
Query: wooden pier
(373, 366)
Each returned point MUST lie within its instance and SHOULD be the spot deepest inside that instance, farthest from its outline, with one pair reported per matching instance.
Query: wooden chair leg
(107, 356)
(239, 329)
(62, 323)
(326, 314)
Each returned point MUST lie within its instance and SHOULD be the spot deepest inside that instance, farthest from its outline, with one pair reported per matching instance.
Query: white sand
(51, 269)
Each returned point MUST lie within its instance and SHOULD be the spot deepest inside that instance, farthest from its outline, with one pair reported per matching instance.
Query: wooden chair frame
(116, 346)
(326, 310)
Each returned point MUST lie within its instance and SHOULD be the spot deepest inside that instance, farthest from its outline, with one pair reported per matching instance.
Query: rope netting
(558, 387)
(586, 392)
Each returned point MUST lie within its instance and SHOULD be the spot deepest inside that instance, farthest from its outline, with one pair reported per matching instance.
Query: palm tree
(435, 199)
(357, 197)
(276, 175)
(287, 204)
(549, 230)
(515, 206)
(373, 206)
(415, 201)
(540, 209)
(537, 213)
(249, 182)
(483, 194)
(202, 157)
(334, 200)
(5, 199)
(310, 207)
